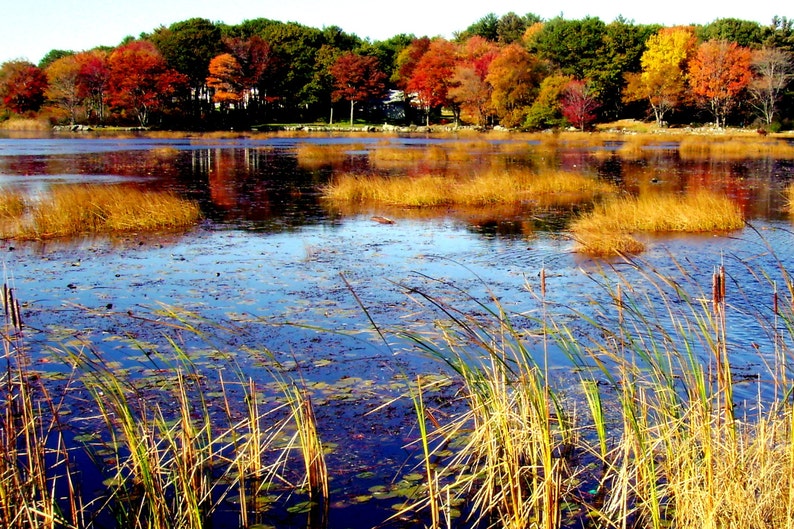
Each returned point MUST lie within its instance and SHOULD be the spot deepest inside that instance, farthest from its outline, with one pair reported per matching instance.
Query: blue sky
(33, 27)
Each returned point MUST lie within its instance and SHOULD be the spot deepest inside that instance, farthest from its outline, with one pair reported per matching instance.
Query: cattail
(543, 282)
(722, 283)
(619, 302)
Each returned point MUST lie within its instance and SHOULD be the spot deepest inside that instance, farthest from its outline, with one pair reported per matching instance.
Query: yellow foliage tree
(662, 79)
(63, 85)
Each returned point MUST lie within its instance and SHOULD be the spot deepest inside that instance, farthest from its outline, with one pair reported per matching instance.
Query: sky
(31, 28)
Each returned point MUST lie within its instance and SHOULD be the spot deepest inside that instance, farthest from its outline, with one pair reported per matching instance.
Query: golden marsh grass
(12, 204)
(83, 209)
(21, 124)
(607, 229)
(490, 187)
(733, 147)
(312, 154)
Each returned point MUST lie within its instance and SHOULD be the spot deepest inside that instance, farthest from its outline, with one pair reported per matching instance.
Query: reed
(669, 446)
(38, 484)
(512, 435)
(83, 209)
(607, 230)
(486, 188)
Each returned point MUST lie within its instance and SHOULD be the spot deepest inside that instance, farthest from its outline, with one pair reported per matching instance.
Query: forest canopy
(514, 71)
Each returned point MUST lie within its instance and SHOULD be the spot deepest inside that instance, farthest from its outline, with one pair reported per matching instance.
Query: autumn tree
(404, 66)
(514, 76)
(226, 80)
(22, 86)
(357, 78)
(94, 78)
(258, 63)
(469, 87)
(546, 109)
(662, 80)
(431, 77)
(63, 85)
(188, 47)
(140, 81)
(774, 70)
(718, 73)
(579, 104)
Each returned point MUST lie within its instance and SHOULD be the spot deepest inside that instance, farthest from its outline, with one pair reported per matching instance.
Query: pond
(275, 275)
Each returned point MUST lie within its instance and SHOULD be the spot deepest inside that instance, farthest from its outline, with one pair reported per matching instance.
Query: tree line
(511, 71)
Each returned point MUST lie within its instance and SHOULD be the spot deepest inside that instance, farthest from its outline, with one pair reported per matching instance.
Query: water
(274, 270)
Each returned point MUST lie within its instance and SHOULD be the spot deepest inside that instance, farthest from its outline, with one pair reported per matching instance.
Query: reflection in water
(270, 184)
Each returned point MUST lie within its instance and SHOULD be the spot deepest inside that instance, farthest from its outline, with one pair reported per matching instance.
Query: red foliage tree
(356, 78)
(140, 82)
(93, 81)
(579, 104)
(256, 59)
(432, 75)
(22, 86)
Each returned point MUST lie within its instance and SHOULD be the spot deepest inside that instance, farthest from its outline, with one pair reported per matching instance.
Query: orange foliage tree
(718, 74)
(515, 76)
(63, 85)
(469, 87)
(226, 80)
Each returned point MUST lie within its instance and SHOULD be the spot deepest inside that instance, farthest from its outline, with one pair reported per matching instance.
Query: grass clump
(12, 204)
(82, 209)
(487, 188)
(608, 229)
(733, 147)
